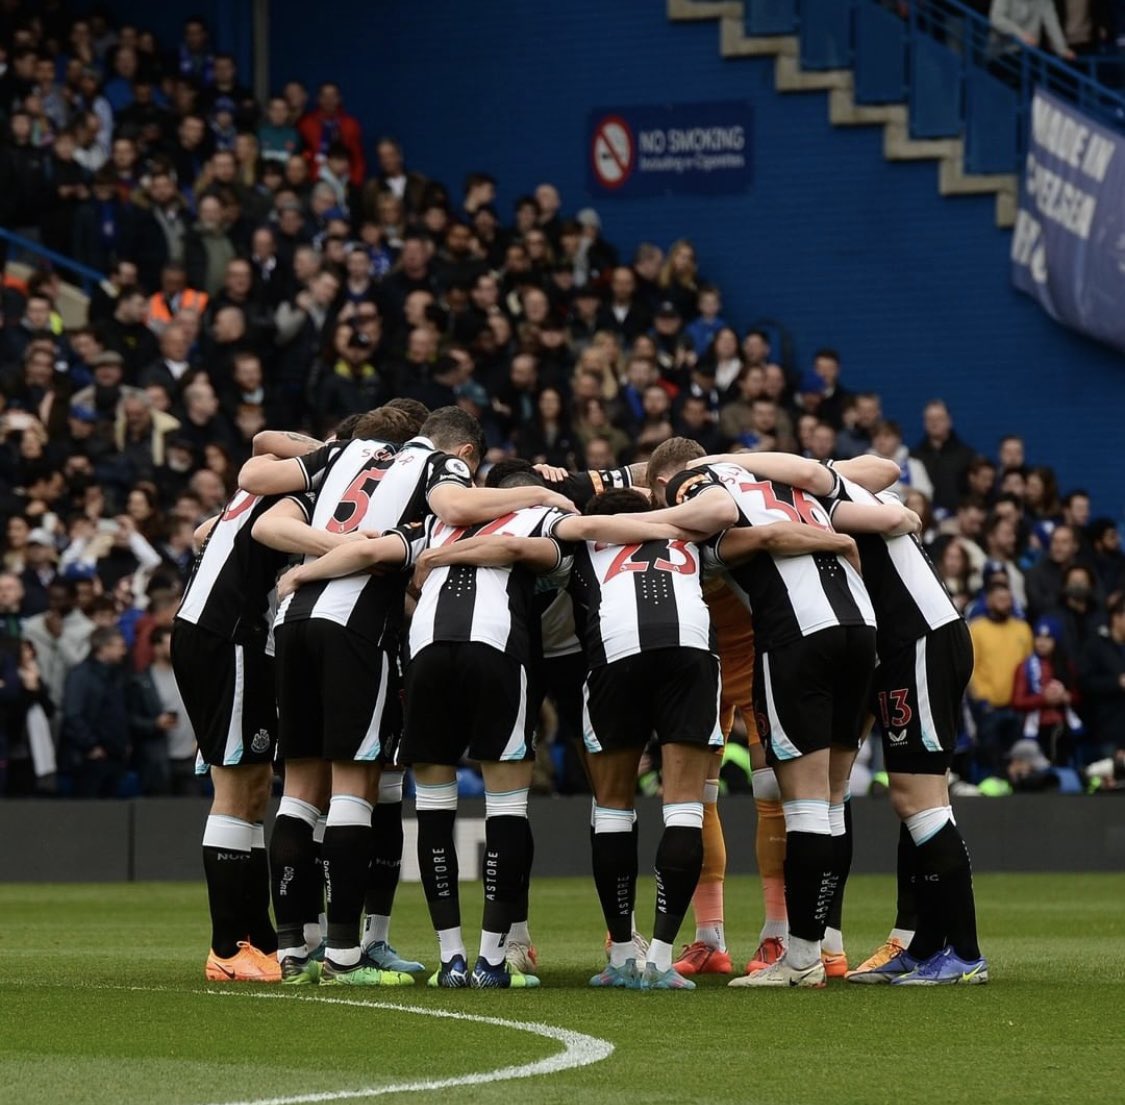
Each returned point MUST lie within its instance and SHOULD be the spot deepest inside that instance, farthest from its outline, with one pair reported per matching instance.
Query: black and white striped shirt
(560, 634)
(229, 590)
(909, 598)
(789, 596)
(635, 598)
(369, 486)
(493, 605)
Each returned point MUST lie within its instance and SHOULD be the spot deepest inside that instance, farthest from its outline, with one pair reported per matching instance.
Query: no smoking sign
(613, 152)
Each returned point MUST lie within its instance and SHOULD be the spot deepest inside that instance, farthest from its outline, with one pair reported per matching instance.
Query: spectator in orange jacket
(329, 123)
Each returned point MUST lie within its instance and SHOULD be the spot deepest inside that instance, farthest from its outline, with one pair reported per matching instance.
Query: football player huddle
(361, 606)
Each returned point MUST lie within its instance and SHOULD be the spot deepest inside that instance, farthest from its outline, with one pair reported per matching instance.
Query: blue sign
(1068, 246)
(698, 149)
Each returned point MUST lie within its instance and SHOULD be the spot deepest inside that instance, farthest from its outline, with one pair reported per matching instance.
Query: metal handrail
(1027, 68)
(88, 278)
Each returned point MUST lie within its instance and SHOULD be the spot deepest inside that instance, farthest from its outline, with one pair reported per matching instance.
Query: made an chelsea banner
(1068, 248)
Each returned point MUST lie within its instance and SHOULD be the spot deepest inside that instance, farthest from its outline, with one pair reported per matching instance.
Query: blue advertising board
(1068, 246)
(700, 149)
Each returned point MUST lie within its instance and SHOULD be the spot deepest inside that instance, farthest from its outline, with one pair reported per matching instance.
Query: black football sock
(679, 859)
(809, 883)
(614, 853)
(906, 905)
(294, 873)
(262, 933)
(386, 864)
(505, 867)
(437, 865)
(346, 855)
(521, 907)
(226, 866)
(842, 844)
(946, 893)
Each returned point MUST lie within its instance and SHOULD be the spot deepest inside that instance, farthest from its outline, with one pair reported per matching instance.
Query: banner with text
(1068, 246)
(660, 149)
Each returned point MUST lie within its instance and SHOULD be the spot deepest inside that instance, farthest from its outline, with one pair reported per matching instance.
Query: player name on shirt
(906, 592)
(230, 585)
(369, 486)
(635, 598)
(489, 605)
(789, 596)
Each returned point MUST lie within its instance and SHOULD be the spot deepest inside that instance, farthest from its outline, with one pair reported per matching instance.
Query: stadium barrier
(154, 838)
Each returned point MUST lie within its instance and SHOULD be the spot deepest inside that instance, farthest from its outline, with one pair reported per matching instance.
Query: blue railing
(960, 78)
(28, 251)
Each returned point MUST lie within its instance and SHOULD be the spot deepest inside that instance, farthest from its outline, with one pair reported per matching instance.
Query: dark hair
(384, 424)
(513, 472)
(1098, 528)
(1077, 493)
(160, 634)
(450, 427)
(827, 353)
(345, 431)
(1116, 605)
(618, 501)
(417, 411)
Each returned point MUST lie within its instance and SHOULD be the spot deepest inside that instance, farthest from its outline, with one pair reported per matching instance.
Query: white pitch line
(579, 1050)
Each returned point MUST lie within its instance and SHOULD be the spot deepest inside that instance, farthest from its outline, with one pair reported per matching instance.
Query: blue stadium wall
(831, 240)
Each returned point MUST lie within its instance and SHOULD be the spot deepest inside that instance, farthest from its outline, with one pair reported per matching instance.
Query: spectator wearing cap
(582, 322)
(39, 571)
(624, 315)
(1001, 643)
(354, 383)
(103, 394)
(702, 329)
(945, 456)
(327, 124)
(1046, 694)
(1102, 678)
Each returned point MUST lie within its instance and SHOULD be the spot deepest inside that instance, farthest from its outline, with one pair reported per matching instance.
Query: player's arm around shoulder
(873, 473)
(459, 505)
(888, 519)
(360, 554)
(801, 472)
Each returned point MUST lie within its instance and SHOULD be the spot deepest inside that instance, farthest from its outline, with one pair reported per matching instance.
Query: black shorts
(228, 693)
(339, 695)
(916, 697)
(672, 692)
(813, 693)
(466, 700)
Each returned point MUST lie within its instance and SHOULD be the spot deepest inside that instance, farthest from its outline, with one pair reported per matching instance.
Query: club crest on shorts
(261, 742)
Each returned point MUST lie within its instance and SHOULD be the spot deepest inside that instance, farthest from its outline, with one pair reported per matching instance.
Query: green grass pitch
(102, 1000)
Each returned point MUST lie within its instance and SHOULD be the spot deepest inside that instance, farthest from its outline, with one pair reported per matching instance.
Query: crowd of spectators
(259, 272)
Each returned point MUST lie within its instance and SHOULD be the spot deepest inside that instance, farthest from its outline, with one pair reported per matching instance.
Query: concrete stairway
(843, 111)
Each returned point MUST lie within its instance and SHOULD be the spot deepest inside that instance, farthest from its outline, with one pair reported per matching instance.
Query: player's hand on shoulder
(552, 473)
(559, 502)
